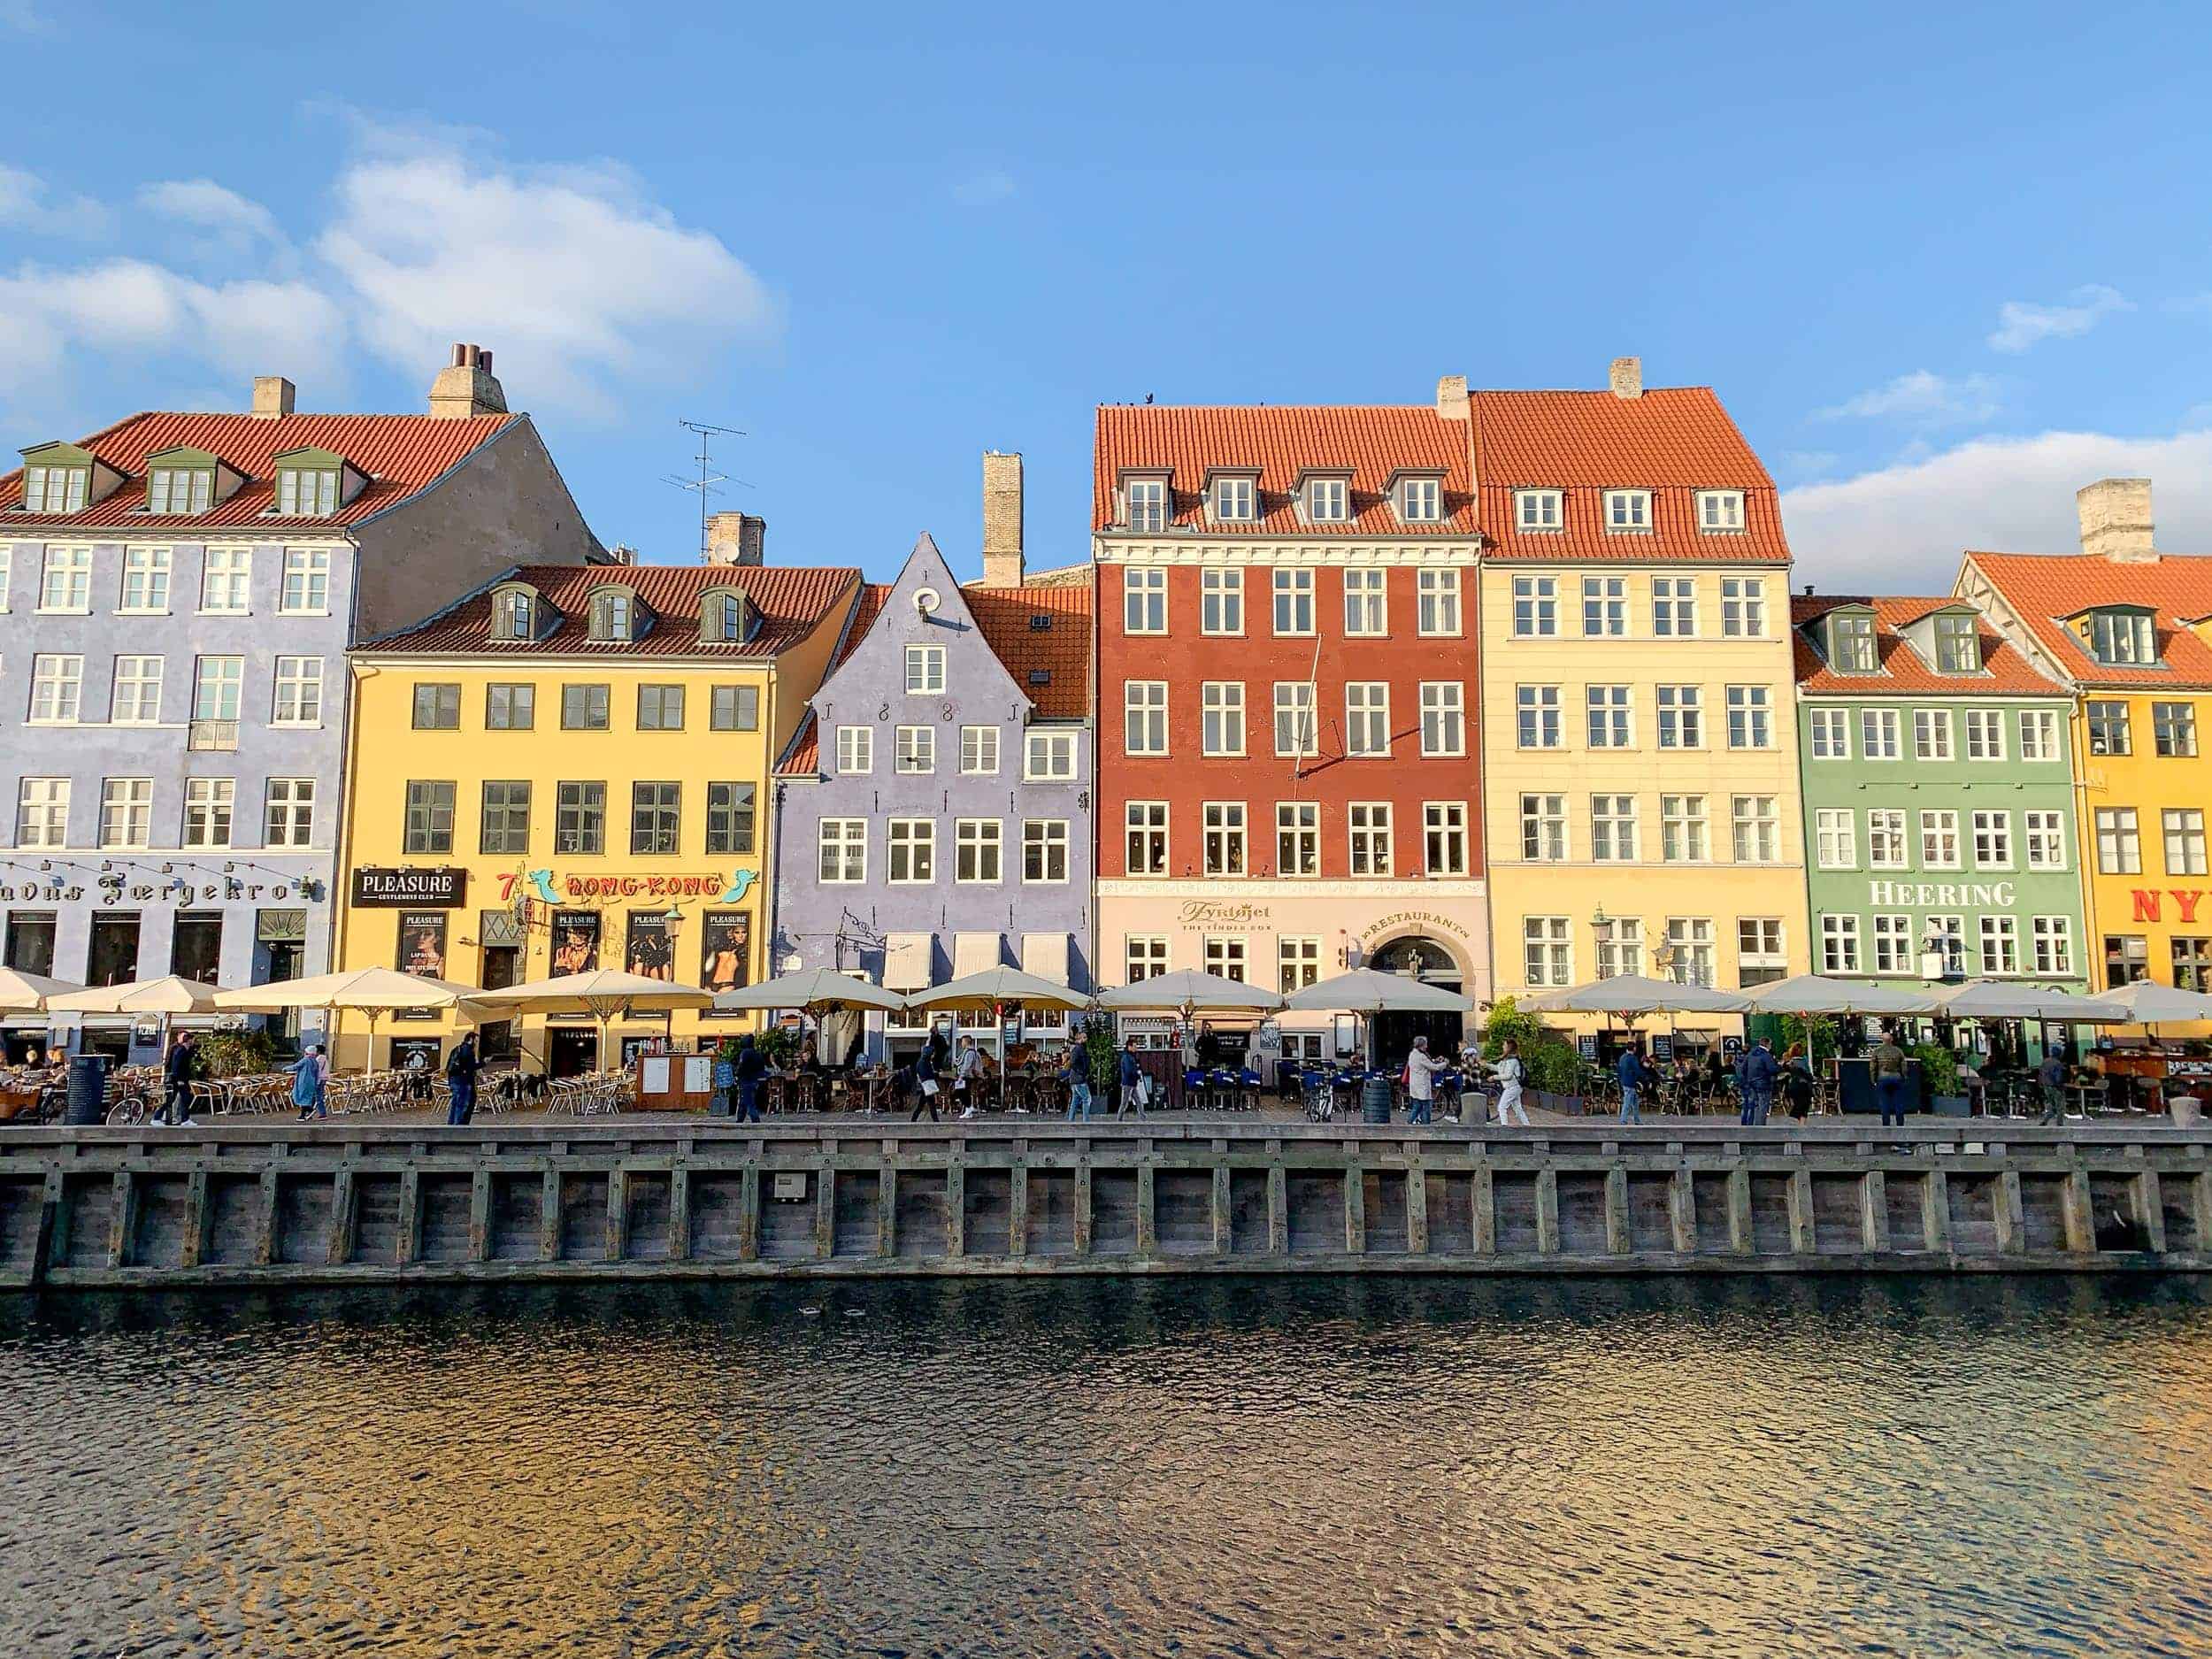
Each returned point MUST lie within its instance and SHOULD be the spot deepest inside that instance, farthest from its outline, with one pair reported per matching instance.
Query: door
(571, 1051)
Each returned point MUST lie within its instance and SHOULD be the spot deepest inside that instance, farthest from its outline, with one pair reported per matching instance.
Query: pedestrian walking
(177, 1073)
(1756, 1074)
(1076, 1075)
(1421, 1084)
(1889, 1079)
(752, 1070)
(2051, 1079)
(1510, 1071)
(1629, 1069)
(460, 1081)
(1135, 1085)
(307, 1085)
(965, 1071)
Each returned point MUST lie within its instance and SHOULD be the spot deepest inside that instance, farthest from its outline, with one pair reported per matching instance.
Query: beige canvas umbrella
(373, 991)
(998, 989)
(27, 992)
(602, 993)
(1370, 992)
(816, 993)
(167, 997)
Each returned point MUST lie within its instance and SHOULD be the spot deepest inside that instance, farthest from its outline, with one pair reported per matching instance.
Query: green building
(1941, 840)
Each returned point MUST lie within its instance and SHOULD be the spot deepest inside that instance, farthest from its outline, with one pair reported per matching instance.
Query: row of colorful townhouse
(1509, 691)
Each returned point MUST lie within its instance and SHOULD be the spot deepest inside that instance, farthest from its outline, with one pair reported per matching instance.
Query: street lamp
(673, 929)
(1602, 929)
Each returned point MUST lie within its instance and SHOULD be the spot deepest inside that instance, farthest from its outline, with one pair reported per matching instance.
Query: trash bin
(88, 1098)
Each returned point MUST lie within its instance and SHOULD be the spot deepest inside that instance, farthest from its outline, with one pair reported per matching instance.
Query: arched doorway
(1421, 958)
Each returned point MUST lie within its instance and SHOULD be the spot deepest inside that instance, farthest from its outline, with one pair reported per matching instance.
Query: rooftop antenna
(703, 484)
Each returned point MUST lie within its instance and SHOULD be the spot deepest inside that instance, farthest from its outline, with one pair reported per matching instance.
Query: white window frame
(1421, 500)
(287, 812)
(56, 690)
(1880, 734)
(1999, 937)
(301, 679)
(910, 844)
(1144, 716)
(2041, 735)
(1681, 716)
(134, 696)
(305, 588)
(1297, 962)
(1836, 838)
(1443, 719)
(1226, 957)
(1628, 513)
(1840, 942)
(151, 568)
(1608, 716)
(840, 852)
(1614, 829)
(1328, 500)
(1539, 512)
(1226, 849)
(978, 751)
(1605, 607)
(68, 569)
(1221, 602)
(1720, 512)
(1888, 829)
(2044, 835)
(856, 750)
(1145, 824)
(1535, 607)
(2051, 938)
(1674, 599)
(1143, 599)
(1543, 828)
(1145, 504)
(1931, 735)
(1292, 594)
(1367, 720)
(1536, 710)
(979, 842)
(1366, 603)
(1547, 952)
(1750, 717)
(1295, 700)
(1044, 837)
(1369, 839)
(1144, 956)
(1221, 717)
(1991, 833)
(1234, 498)
(1299, 821)
(1048, 758)
(226, 581)
(1763, 820)
(924, 671)
(914, 751)
(1828, 735)
(211, 813)
(1743, 607)
(1891, 935)
(129, 802)
(1940, 846)
(1437, 607)
(1685, 830)
(42, 814)
(1443, 839)
(1985, 734)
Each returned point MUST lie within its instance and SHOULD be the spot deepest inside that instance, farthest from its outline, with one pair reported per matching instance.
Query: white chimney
(464, 387)
(737, 538)
(1451, 398)
(1628, 377)
(273, 396)
(1002, 560)
(2116, 520)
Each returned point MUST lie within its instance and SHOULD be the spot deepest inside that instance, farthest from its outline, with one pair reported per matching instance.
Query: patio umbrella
(27, 993)
(1370, 992)
(1633, 995)
(167, 996)
(1187, 991)
(814, 991)
(602, 993)
(1815, 994)
(2148, 1003)
(373, 991)
(2002, 998)
(998, 989)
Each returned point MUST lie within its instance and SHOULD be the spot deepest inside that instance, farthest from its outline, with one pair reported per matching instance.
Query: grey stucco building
(177, 596)
(934, 810)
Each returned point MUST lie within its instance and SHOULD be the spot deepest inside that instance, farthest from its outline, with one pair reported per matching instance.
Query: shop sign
(2150, 904)
(394, 889)
(550, 889)
(1205, 913)
(1980, 895)
(139, 885)
(1422, 920)
(575, 942)
(281, 927)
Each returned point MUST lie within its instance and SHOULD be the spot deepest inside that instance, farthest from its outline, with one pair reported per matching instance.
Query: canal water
(1219, 1467)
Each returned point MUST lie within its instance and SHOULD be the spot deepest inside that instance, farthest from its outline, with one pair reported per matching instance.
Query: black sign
(444, 885)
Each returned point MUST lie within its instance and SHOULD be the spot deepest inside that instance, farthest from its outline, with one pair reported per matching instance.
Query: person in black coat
(177, 1072)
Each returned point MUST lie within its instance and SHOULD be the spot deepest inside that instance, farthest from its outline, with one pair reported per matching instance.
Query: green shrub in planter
(1939, 1070)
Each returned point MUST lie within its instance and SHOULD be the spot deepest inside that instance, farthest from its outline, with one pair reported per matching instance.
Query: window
(733, 709)
(2119, 845)
(289, 814)
(56, 489)
(437, 707)
(1674, 607)
(1945, 937)
(1366, 605)
(614, 615)
(41, 813)
(1608, 713)
(978, 750)
(1444, 835)
(580, 818)
(2174, 729)
(1538, 710)
(584, 707)
(510, 708)
(1621, 947)
(1681, 721)
(1830, 730)
(1224, 838)
(1443, 718)
(1225, 957)
(1438, 606)
(978, 842)
(1044, 849)
(855, 750)
(226, 581)
(68, 581)
(1146, 955)
(429, 817)
(1939, 839)
(1719, 510)
(1993, 840)
(1420, 500)
(1743, 607)
(306, 581)
(1885, 841)
(915, 750)
(1221, 717)
(925, 669)
(505, 827)
(2127, 959)
(219, 686)
(1682, 831)
(146, 578)
(1543, 828)
(656, 818)
(1750, 722)
(1049, 757)
(722, 619)
(1535, 607)
(1838, 943)
(1958, 645)
(2123, 638)
(1536, 509)
(1294, 733)
(1297, 838)
(913, 843)
(1145, 822)
(1366, 718)
(1234, 499)
(2046, 836)
(2108, 728)
(730, 818)
(137, 698)
(514, 614)
(2052, 937)
(842, 851)
(1760, 957)
(1758, 829)
(1878, 734)
(2184, 841)
(1985, 734)
(1931, 734)
(1851, 643)
(1144, 716)
(2038, 736)
(1627, 510)
(307, 492)
(1835, 838)
(2001, 944)
(1690, 944)
(1604, 607)
(1893, 944)
(1547, 952)
(1221, 602)
(1146, 503)
(57, 687)
(660, 708)
(1143, 601)
(126, 813)
(1370, 825)
(2192, 963)
(1298, 961)
(1328, 500)
(1294, 602)
(299, 692)
(1613, 829)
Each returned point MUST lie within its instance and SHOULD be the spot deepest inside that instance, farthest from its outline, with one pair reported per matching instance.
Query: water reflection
(1233, 1466)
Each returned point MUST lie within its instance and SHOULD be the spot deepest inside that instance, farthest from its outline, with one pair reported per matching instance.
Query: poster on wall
(575, 942)
(422, 943)
(647, 952)
(725, 949)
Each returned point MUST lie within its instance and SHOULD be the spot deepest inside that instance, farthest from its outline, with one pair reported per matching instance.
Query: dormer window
(180, 490)
(1328, 500)
(56, 489)
(1851, 643)
(614, 614)
(1145, 503)
(2122, 639)
(515, 614)
(307, 492)
(1235, 498)
(723, 617)
(1719, 510)
(1536, 509)
(1419, 499)
(1958, 645)
(1627, 511)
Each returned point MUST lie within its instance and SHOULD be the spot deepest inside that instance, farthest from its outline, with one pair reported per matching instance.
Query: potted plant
(1550, 1069)
(1939, 1079)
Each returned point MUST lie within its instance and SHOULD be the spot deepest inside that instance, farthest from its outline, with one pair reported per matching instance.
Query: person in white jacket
(1507, 1068)
(1421, 1084)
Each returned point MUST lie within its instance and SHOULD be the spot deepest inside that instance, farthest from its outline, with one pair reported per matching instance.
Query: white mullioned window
(288, 813)
(146, 571)
(1366, 603)
(1992, 839)
(1835, 838)
(2052, 937)
(1367, 717)
(925, 669)
(841, 849)
(1536, 709)
(1621, 947)
(1750, 717)
(1438, 606)
(67, 584)
(41, 813)
(1368, 825)
(1690, 938)
(2045, 834)
(1674, 607)
(1613, 829)
(126, 813)
(1144, 823)
(1146, 503)
(1758, 829)
(1537, 509)
(1224, 838)
(1049, 757)
(1443, 718)
(1543, 828)
(979, 850)
(1145, 955)
(910, 850)
(1886, 845)
(1221, 601)
(1879, 734)
(1328, 500)
(1298, 961)
(2183, 830)
(1627, 510)
(2001, 944)
(1421, 500)
(855, 750)
(1225, 955)
(137, 696)
(1604, 607)
(1947, 935)
(2040, 735)
(1143, 599)
(1719, 510)
(1444, 837)
(1743, 607)
(1939, 839)
(1297, 838)
(306, 581)
(1892, 943)
(1547, 952)
(1829, 734)
(1044, 850)
(1535, 607)
(1839, 942)
(1684, 837)
(226, 581)
(978, 751)
(1931, 734)
(1294, 729)
(299, 691)
(2119, 841)
(915, 750)
(209, 804)
(1144, 716)
(1294, 602)
(1221, 717)
(1236, 498)
(1609, 715)
(56, 689)
(1682, 717)
(1985, 734)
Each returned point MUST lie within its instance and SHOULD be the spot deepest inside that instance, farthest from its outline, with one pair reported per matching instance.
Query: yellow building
(1639, 743)
(572, 769)
(2124, 627)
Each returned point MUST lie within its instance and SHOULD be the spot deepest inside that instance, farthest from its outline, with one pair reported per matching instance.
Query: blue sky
(1944, 264)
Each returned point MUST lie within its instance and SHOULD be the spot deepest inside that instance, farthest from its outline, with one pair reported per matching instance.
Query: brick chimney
(2116, 520)
(464, 387)
(1628, 377)
(1003, 564)
(737, 538)
(273, 396)
(1451, 398)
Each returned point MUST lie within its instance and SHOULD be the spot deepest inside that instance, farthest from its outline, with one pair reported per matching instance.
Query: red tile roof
(803, 756)
(792, 603)
(2046, 588)
(1062, 649)
(1370, 440)
(1673, 441)
(866, 609)
(401, 454)
(2005, 672)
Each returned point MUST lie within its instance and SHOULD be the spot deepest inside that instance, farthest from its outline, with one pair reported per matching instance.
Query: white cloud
(27, 204)
(233, 221)
(986, 188)
(2022, 323)
(1901, 529)
(1923, 399)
